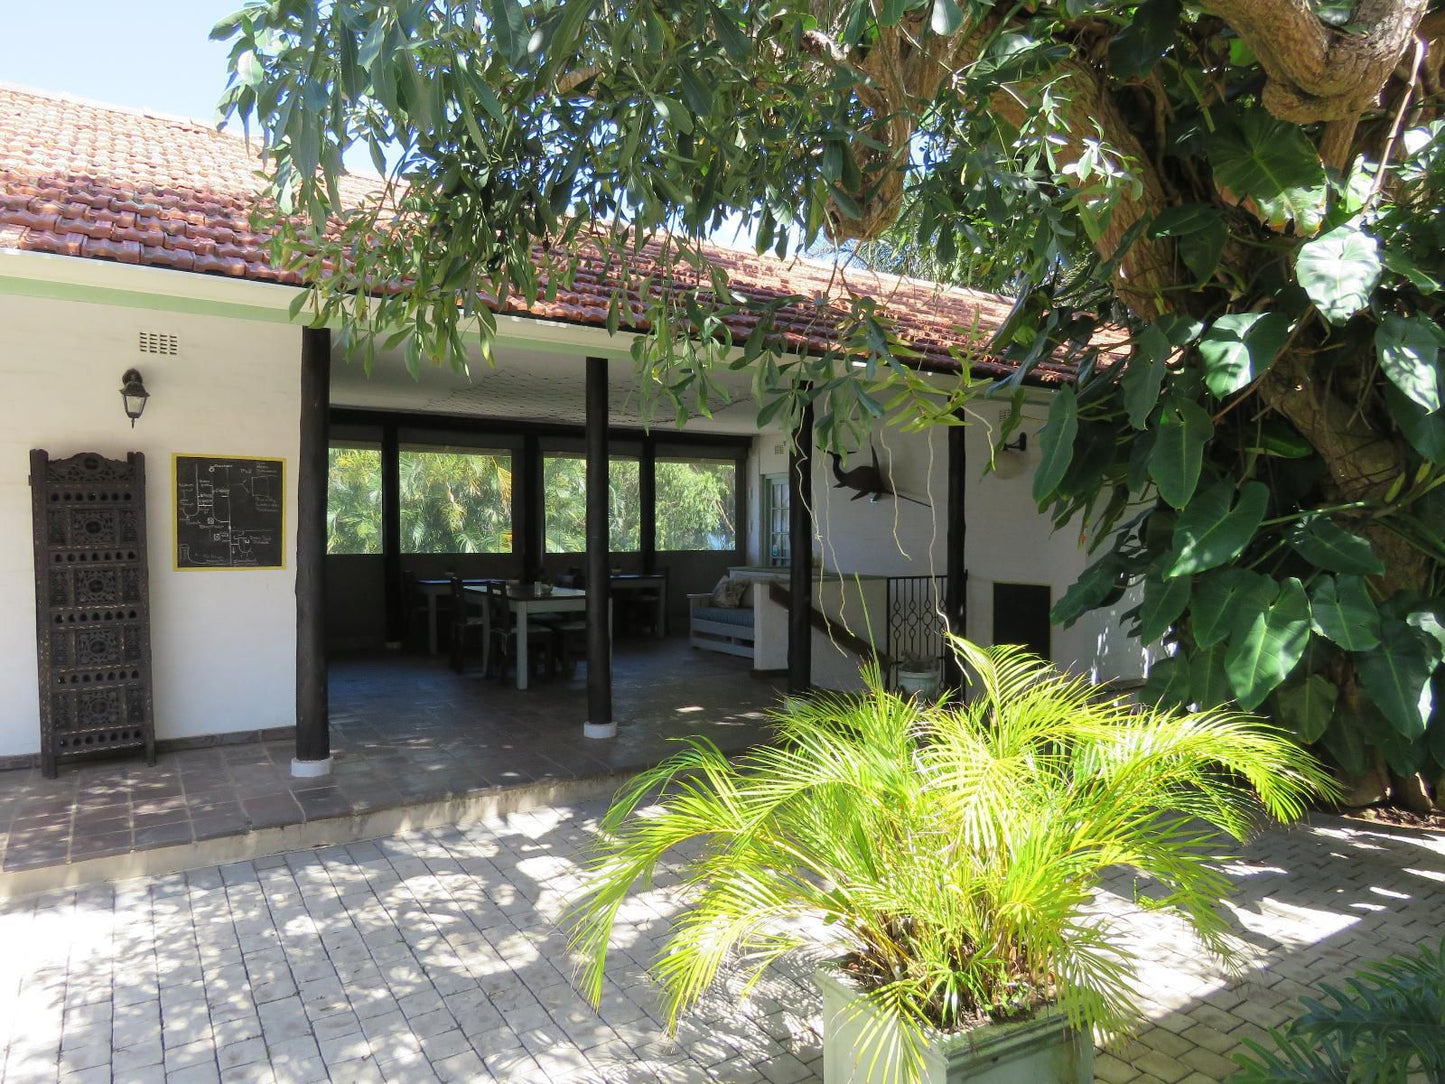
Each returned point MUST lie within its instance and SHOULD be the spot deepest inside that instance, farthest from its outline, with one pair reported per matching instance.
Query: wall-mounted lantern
(1019, 445)
(133, 394)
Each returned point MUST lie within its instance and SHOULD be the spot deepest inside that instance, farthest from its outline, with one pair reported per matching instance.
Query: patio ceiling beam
(313, 728)
(800, 546)
(599, 722)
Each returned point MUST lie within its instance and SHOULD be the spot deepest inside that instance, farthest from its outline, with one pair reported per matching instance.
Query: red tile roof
(79, 178)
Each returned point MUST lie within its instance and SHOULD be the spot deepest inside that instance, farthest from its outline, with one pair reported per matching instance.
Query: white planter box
(1040, 1050)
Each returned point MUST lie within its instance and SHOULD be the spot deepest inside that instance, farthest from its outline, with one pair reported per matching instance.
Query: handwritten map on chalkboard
(229, 512)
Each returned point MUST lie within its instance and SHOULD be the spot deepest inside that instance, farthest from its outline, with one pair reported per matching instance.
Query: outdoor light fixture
(133, 394)
(1020, 445)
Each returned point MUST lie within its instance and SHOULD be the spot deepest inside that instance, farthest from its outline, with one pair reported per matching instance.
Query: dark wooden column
(533, 535)
(599, 586)
(955, 587)
(647, 499)
(800, 546)
(391, 534)
(313, 732)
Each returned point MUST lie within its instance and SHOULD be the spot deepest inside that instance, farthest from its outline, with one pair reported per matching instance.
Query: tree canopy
(1250, 190)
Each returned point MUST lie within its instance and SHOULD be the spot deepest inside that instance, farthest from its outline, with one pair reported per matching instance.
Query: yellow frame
(176, 566)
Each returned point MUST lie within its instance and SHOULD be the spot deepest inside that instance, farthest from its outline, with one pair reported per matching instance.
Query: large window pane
(564, 484)
(696, 504)
(455, 500)
(353, 500)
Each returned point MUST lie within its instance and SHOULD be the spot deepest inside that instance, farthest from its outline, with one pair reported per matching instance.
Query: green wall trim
(139, 299)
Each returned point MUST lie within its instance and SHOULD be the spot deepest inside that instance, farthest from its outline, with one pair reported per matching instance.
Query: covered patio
(407, 733)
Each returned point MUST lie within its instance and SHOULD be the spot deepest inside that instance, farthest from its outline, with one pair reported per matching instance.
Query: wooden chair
(502, 635)
(470, 620)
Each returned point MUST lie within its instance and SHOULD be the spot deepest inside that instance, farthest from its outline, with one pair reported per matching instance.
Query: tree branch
(1318, 72)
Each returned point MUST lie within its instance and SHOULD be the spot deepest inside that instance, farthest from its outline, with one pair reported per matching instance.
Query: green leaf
(1227, 599)
(1425, 430)
(1164, 601)
(1208, 680)
(1212, 529)
(1167, 684)
(1345, 740)
(734, 42)
(1272, 166)
(1239, 347)
(1095, 585)
(1056, 443)
(1408, 347)
(1403, 265)
(1200, 232)
(1135, 50)
(1325, 544)
(1397, 676)
(1271, 647)
(1174, 464)
(1308, 707)
(945, 18)
(1341, 609)
(1144, 375)
(1339, 271)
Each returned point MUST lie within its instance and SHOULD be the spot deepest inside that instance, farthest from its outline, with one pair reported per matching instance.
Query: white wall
(223, 642)
(1008, 541)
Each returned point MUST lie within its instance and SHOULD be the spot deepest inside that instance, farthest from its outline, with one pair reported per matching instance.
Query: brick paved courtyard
(435, 955)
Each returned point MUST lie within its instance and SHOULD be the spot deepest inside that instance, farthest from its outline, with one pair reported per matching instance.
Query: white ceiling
(532, 384)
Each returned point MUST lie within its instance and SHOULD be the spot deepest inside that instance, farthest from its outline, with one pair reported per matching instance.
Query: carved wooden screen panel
(92, 606)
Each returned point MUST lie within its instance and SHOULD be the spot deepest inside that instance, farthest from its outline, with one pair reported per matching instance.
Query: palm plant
(954, 847)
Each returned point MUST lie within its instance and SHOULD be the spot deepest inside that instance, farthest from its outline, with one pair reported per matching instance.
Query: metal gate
(92, 605)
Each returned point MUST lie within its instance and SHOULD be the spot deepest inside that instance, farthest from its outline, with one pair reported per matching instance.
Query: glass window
(697, 503)
(353, 499)
(777, 538)
(455, 500)
(564, 503)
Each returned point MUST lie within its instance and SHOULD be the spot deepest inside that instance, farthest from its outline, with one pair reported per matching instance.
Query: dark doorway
(1021, 616)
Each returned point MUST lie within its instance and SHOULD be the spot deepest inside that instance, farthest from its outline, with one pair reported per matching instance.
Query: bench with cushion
(722, 619)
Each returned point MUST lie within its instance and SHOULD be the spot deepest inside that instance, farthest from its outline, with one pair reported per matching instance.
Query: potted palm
(951, 851)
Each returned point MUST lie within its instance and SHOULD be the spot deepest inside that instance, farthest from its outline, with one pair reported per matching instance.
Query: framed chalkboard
(230, 512)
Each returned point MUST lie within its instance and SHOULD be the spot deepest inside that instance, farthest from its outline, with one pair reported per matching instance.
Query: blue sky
(149, 55)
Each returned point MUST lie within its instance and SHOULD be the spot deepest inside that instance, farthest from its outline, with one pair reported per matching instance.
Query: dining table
(526, 599)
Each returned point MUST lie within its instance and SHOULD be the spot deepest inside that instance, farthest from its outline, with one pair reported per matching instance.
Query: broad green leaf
(1212, 530)
(1164, 601)
(1325, 544)
(1260, 660)
(1339, 271)
(1405, 756)
(1308, 707)
(1402, 264)
(1273, 166)
(1200, 234)
(1095, 585)
(1144, 375)
(1167, 684)
(1397, 676)
(1056, 443)
(946, 18)
(1425, 430)
(1174, 464)
(1208, 680)
(1428, 622)
(1225, 600)
(1341, 609)
(1135, 50)
(1239, 347)
(1345, 739)
(1408, 348)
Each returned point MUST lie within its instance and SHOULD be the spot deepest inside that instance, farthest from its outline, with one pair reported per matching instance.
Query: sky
(152, 54)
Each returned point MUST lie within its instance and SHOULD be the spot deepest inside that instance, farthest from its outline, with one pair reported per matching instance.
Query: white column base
(310, 769)
(599, 730)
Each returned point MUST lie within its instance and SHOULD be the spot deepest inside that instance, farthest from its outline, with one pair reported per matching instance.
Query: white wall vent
(159, 343)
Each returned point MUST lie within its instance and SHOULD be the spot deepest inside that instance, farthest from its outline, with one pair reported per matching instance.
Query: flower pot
(924, 683)
(1042, 1049)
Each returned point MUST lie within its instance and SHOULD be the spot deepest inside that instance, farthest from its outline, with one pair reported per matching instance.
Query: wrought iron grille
(915, 617)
